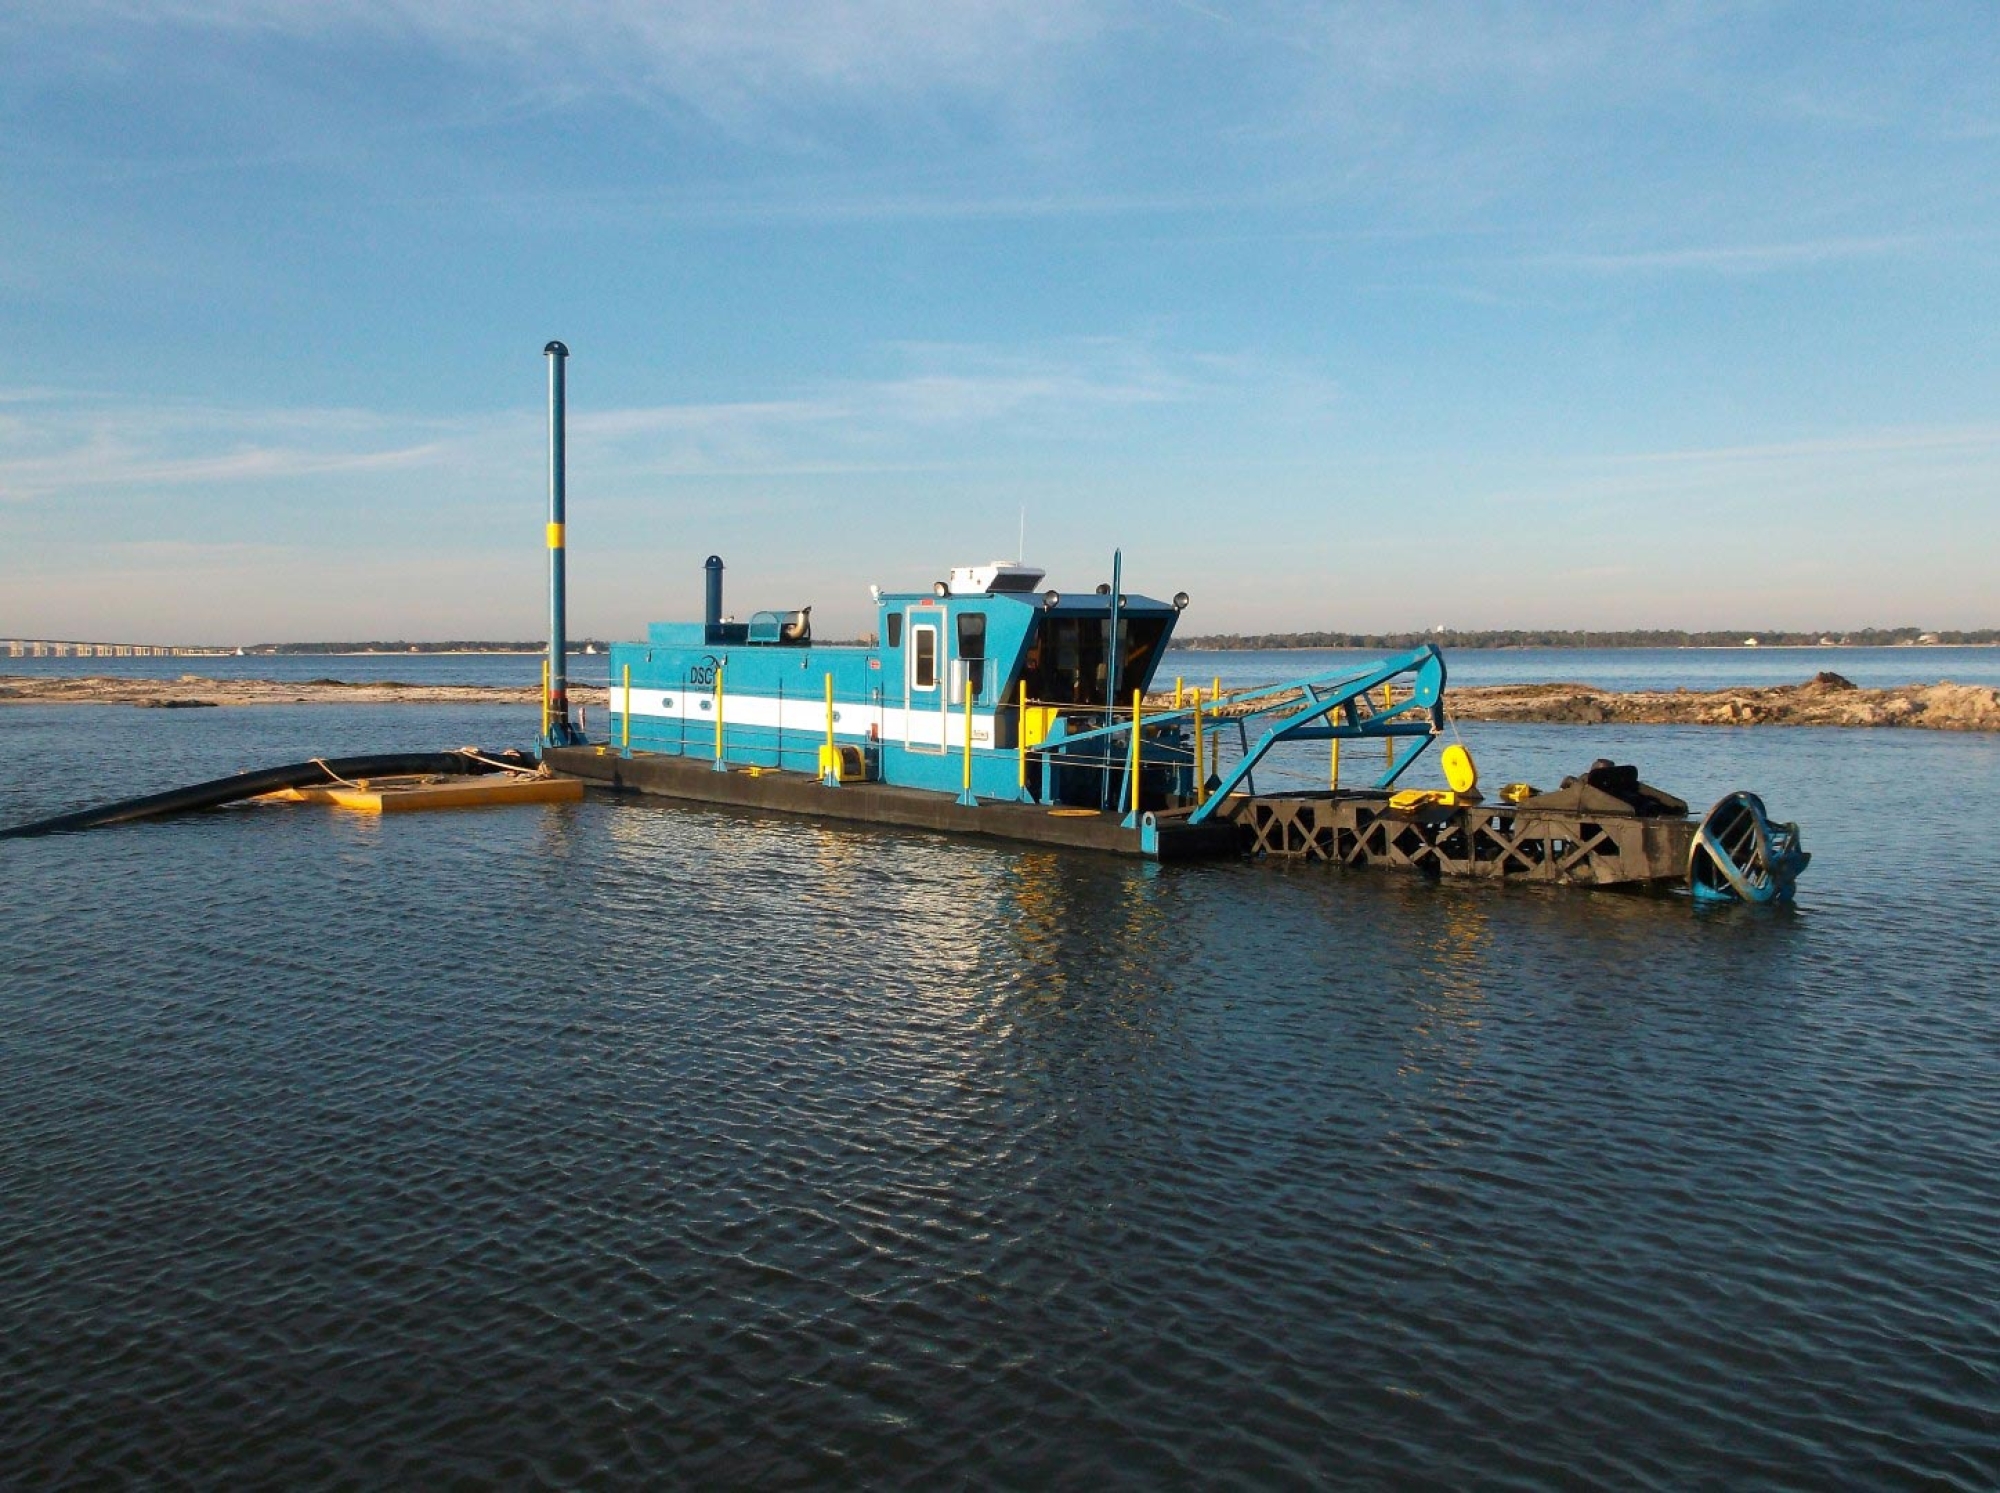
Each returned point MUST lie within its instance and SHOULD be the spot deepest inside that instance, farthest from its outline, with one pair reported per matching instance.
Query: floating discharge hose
(243, 785)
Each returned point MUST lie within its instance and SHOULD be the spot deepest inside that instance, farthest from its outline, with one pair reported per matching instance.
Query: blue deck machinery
(990, 705)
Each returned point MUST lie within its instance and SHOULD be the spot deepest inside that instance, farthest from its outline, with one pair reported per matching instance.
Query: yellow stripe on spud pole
(555, 536)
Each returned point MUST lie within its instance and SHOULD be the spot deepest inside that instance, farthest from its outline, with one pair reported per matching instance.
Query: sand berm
(1825, 700)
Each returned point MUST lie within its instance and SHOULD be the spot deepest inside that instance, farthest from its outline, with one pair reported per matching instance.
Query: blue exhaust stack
(712, 609)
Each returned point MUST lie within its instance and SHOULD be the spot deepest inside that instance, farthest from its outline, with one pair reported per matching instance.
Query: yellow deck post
(545, 699)
(832, 751)
(1138, 704)
(1200, 776)
(966, 797)
(1021, 738)
(718, 716)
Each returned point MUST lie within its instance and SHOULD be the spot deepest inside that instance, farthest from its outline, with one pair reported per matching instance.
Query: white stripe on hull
(806, 716)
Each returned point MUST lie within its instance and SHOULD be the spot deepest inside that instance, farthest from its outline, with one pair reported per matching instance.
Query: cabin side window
(923, 657)
(972, 648)
(892, 630)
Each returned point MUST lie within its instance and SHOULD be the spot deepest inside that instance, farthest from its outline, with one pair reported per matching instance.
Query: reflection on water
(626, 1143)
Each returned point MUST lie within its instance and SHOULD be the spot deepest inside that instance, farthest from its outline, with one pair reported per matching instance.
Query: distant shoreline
(1193, 647)
(1581, 647)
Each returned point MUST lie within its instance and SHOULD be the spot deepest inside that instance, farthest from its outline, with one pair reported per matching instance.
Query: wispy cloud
(1446, 115)
(838, 201)
(942, 406)
(1900, 441)
(728, 60)
(1738, 259)
(55, 442)
(1859, 481)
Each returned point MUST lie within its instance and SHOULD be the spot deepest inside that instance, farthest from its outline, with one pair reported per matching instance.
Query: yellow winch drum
(847, 763)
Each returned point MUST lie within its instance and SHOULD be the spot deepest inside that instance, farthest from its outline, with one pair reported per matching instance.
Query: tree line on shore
(1451, 637)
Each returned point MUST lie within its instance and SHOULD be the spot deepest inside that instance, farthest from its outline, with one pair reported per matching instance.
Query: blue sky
(1357, 317)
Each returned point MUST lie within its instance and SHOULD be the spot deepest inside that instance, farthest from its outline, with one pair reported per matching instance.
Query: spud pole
(557, 730)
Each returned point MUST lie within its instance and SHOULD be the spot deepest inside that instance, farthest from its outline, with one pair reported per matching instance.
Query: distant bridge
(59, 648)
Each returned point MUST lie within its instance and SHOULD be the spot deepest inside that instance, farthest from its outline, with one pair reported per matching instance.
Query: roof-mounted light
(1180, 601)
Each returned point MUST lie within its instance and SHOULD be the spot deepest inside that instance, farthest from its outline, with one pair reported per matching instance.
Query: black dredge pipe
(242, 785)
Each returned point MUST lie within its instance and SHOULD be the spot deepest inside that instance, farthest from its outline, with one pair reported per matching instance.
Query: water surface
(618, 1144)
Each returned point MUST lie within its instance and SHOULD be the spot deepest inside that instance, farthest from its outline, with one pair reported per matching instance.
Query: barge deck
(1602, 847)
(1162, 836)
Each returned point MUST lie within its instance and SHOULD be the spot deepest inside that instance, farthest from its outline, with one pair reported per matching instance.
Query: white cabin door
(924, 700)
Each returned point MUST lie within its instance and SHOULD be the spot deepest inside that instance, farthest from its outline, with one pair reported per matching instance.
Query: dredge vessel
(989, 704)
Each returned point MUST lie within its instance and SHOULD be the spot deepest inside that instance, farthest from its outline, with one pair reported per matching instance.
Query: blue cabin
(978, 687)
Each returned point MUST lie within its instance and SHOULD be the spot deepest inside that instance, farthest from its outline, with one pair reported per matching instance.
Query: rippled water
(618, 1144)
